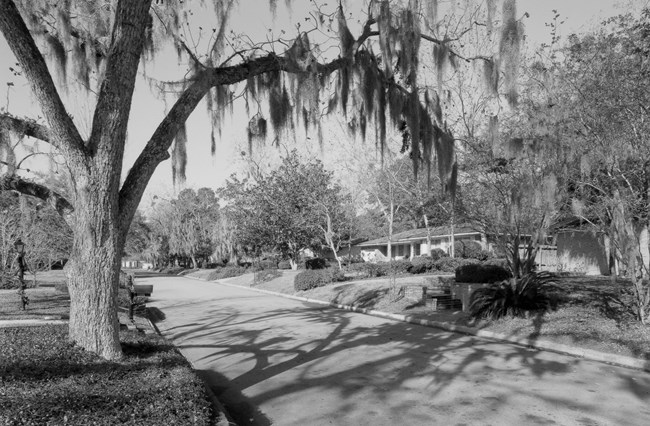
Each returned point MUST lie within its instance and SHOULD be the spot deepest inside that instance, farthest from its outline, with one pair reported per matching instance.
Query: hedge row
(419, 265)
(313, 278)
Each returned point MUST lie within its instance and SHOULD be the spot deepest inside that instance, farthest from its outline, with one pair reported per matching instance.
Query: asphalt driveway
(272, 360)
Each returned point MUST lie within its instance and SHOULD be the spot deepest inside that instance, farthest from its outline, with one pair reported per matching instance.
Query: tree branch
(26, 127)
(67, 137)
(114, 102)
(27, 187)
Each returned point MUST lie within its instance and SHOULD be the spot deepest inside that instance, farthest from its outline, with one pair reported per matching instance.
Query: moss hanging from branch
(345, 36)
(280, 108)
(509, 49)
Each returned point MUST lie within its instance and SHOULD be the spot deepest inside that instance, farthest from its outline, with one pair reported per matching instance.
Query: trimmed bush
(227, 272)
(312, 278)
(479, 273)
(316, 263)
(533, 292)
(421, 265)
(437, 253)
(285, 264)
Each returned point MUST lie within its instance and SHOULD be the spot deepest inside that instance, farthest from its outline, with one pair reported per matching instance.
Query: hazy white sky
(255, 19)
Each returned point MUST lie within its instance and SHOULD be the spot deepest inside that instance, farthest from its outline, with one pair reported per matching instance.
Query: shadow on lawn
(321, 361)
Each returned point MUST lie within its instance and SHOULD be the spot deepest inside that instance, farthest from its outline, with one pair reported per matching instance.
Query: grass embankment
(46, 380)
(591, 313)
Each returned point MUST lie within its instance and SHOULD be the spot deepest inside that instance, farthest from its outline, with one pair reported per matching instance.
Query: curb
(588, 354)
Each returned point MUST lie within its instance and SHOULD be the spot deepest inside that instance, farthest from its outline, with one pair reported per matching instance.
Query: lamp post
(20, 249)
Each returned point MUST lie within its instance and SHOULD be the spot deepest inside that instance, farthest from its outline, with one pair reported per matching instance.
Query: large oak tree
(372, 77)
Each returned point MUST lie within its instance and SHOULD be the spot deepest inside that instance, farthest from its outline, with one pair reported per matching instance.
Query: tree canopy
(370, 72)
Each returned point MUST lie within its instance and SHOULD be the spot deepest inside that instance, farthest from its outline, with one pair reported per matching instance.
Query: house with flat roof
(408, 244)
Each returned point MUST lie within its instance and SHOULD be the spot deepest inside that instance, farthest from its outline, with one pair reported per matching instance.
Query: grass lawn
(590, 314)
(46, 380)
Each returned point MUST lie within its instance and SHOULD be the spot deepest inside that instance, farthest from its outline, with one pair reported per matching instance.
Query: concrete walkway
(272, 360)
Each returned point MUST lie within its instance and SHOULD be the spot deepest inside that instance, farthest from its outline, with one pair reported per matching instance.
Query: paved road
(272, 360)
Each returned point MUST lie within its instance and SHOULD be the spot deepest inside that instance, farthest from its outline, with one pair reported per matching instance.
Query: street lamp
(20, 249)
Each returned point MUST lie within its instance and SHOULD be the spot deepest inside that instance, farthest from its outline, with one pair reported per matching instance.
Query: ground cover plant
(534, 292)
(47, 380)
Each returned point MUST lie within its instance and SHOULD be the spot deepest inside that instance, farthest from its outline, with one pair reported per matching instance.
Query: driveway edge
(588, 354)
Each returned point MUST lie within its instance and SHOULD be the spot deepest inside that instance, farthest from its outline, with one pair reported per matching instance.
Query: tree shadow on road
(324, 348)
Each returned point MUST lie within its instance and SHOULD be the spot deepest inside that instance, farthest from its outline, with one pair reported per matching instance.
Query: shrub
(422, 264)
(399, 266)
(316, 263)
(533, 292)
(266, 275)
(285, 264)
(469, 249)
(447, 264)
(312, 278)
(358, 269)
(268, 264)
(437, 253)
(338, 275)
(174, 270)
(479, 273)
(227, 272)
(379, 269)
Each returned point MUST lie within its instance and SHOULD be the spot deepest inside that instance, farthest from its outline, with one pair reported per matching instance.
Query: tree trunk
(93, 269)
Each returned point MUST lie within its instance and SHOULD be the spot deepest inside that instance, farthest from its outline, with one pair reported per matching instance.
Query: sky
(206, 170)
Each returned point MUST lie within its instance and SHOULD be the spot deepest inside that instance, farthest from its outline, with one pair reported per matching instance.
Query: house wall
(582, 252)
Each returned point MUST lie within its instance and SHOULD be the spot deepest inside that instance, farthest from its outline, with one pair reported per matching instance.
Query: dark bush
(316, 263)
(480, 273)
(285, 264)
(421, 265)
(469, 249)
(312, 278)
(437, 253)
(227, 272)
(447, 264)
(533, 292)
(498, 262)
